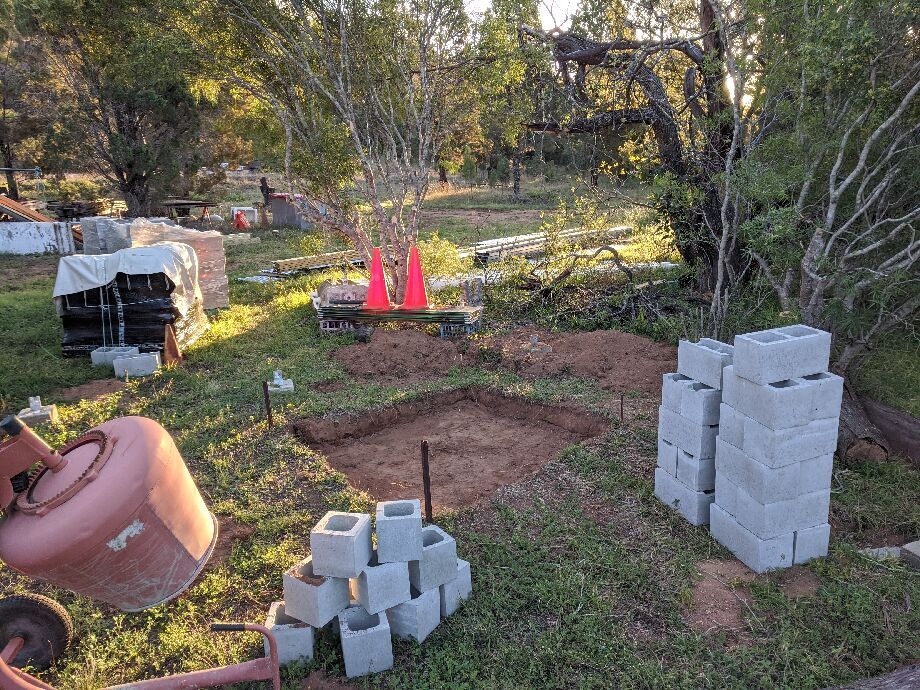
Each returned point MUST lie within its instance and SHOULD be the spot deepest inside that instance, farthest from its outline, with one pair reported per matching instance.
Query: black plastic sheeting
(131, 310)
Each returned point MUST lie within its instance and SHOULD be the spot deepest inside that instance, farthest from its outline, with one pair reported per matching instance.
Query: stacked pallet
(775, 451)
(208, 245)
(688, 423)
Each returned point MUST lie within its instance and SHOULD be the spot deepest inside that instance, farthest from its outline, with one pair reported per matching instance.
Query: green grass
(580, 578)
(891, 373)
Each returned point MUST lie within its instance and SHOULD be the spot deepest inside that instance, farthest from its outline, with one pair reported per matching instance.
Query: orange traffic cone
(377, 295)
(416, 297)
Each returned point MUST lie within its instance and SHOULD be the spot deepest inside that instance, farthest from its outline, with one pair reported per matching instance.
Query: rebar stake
(426, 481)
(268, 404)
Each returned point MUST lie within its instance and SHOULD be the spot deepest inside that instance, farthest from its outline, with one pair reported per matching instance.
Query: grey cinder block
(366, 643)
(438, 563)
(698, 474)
(757, 554)
(311, 598)
(105, 356)
(136, 365)
(382, 585)
(399, 531)
(787, 403)
(697, 439)
(341, 544)
(910, 554)
(667, 457)
(294, 638)
(778, 354)
(770, 520)
(779, 447)
(726, 494)
(417, 618)
(672, 388)
(461, 587)
(700, 403)
(693, 505)
(767, 484)
(704, 361)
(731, 424)
(812, 542)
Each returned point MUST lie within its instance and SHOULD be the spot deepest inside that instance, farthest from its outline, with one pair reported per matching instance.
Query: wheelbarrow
(37, 629)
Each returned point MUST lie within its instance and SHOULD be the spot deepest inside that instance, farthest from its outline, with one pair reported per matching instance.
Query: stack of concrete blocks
(208, 246)
(688, 423)
(775, 450)
(402, 588)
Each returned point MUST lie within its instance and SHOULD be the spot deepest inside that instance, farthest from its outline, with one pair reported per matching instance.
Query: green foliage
(441, 258)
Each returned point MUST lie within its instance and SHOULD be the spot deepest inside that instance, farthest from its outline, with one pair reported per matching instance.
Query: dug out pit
(479, 441)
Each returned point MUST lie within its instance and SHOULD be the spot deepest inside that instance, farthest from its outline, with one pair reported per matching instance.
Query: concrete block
(36, 413)
(382, 585)
(788, 403)
(693, 505)
(294, 638)
(438, 563)
(341, 544)
(731, 423)
(697, 439)
(726, 494)
(105, 356)
(417, 618)
(672, 388)
(811, 543)
(136, 365)
(882, 552)
(757, 554)
(698, 474)
(780, 447)
(279, 384)
(461, 587)
(779, 354)
(366, 644)
(704, 361)
(770, 520)
(311, 598)
(767, 484)
(910, 554)
(700, 403)
(667, 457)
(399, 531)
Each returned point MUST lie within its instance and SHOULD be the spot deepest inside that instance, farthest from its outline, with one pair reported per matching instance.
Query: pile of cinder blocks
(688, 423)
(403, 587)
(775, 451)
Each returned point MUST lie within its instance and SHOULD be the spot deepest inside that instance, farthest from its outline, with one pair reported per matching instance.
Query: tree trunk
(12, 189)
(902, 679)
(859, 440)
(137, 196)
(442, 175)
(516, 174)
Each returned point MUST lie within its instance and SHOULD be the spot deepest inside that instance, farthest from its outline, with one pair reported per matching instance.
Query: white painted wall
(36, 238)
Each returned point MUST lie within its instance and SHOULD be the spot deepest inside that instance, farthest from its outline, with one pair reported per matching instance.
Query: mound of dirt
(618, 361)
(720, 601)
(398, 355)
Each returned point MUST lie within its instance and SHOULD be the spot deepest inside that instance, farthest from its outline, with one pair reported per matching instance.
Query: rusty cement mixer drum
(122, 521)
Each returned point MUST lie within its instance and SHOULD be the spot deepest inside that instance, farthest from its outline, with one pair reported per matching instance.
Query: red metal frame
(265, 668)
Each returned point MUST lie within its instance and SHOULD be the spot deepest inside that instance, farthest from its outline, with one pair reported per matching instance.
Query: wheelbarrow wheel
(42, 623)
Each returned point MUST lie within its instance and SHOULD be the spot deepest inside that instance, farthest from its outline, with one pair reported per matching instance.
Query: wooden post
(426, 481)
(268, 404)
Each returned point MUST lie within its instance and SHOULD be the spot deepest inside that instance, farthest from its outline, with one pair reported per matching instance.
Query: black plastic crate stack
(130, 310)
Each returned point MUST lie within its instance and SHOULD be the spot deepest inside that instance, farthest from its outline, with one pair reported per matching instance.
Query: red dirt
(798, 581)
(317, 680)
(619, 361)
(718, 605)
(229, 533)
(92, 390)
(399, 355)
(479, 440)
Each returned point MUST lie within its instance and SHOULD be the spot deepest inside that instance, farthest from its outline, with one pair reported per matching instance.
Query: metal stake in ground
(426, 481)
(268, 404)
(621, 408)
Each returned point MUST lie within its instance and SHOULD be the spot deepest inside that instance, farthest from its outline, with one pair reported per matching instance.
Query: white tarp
(178, 261)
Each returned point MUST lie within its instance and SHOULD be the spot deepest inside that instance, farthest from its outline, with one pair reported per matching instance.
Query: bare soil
(91, 391)
(399, 356)
(317, 680)
(479, 440)
(719, 603)
(229, 533)
(798, 581)
(618, 361)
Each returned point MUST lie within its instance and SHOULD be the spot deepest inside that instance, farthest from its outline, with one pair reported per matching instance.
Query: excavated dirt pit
(479, 441)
